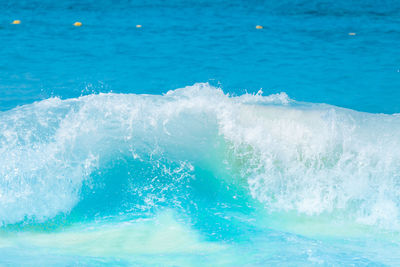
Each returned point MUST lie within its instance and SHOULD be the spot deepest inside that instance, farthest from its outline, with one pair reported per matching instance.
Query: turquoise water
(197, 139)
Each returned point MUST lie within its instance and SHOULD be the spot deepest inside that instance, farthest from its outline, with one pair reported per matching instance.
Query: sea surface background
(303, 50)
(197, 139)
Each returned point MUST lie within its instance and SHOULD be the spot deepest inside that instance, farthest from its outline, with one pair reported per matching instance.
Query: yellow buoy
(352, 33)
(259, 27)
(78, 24)
(16, 22)
(138, 26)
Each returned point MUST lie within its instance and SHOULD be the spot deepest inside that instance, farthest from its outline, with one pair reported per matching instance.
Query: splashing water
(197, 176)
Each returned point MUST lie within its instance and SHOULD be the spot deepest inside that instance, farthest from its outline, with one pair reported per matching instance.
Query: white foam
(309, 158)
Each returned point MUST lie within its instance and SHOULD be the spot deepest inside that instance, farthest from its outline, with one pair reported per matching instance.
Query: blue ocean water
(197, 139)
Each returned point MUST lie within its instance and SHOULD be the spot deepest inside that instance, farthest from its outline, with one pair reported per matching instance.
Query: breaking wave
(127, 154)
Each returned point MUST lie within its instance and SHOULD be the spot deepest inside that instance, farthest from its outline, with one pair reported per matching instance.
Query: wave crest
(310, 158)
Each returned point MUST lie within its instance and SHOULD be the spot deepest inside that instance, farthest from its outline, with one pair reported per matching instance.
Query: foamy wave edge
(302, 157)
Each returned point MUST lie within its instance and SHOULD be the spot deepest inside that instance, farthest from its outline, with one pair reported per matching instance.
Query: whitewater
(198, 177)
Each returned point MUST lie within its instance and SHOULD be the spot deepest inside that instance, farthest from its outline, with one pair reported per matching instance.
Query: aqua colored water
(197, 139)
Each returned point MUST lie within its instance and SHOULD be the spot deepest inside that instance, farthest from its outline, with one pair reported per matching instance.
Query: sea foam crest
(309, 158)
